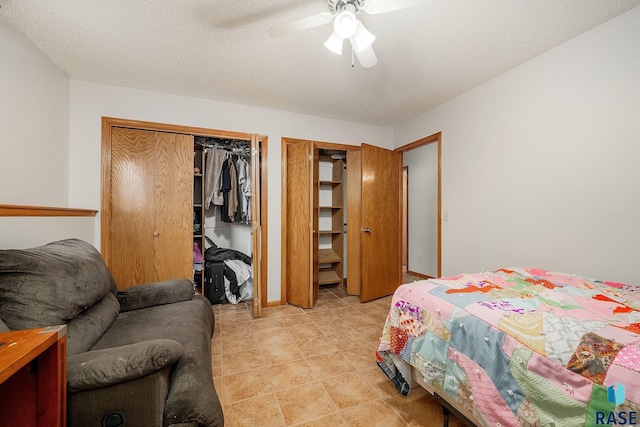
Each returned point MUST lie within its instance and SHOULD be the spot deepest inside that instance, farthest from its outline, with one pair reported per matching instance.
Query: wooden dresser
(33, 377)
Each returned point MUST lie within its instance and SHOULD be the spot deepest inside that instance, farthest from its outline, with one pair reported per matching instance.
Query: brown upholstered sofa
(140, 357)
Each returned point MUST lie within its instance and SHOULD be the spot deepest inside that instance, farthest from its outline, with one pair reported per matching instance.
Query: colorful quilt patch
(563, 334)
(629, 357)
(593, 356)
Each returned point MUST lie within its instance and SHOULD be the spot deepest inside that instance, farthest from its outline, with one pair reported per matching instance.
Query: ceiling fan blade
(374, 7)
(366, 57)
(301, 24)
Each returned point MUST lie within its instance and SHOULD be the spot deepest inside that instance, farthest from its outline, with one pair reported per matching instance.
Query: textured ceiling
(220, 49)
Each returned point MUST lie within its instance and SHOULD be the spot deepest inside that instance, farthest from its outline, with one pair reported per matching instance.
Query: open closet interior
(332, 193)
(222, 219)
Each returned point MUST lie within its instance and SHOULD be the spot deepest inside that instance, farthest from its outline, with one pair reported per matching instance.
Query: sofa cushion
(150, 294)
(87, 327)
(101, 368)
(51, 284)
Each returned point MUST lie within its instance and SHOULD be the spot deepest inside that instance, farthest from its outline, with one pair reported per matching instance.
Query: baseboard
(420, 275)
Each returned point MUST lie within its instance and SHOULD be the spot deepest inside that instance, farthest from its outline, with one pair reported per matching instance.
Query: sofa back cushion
(51, 284)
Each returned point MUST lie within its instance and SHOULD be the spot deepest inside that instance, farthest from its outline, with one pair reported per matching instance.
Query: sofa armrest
(101, 368)
(150, 294)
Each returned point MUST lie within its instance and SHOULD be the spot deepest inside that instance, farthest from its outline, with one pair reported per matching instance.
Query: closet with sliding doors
(177, 200)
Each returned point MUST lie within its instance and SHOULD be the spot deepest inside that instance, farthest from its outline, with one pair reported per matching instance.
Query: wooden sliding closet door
(173, 243)
(151, 206)
(132, 206)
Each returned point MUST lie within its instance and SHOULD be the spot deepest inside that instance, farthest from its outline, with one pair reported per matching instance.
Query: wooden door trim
(283, 207)
(406, 213)
(435, 138)
(283, 227)
(165, 127)
(105, 218)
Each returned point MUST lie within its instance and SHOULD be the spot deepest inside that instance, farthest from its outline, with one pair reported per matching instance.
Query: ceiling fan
(346, 25)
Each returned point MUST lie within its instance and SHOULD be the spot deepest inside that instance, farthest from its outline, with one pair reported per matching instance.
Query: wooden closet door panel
(132, 209)
(354, 184)
(173, 243)
(256, 217)
(299, 275)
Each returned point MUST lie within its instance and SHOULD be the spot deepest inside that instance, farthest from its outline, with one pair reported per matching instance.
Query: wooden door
(354, 216)
(132, 206)
(173, 243)
(298, 239)
(151, 201)
(256, 218)
(380, 213)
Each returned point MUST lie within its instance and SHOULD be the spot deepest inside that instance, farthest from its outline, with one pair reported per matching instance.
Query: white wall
(91, 101)
(423, 209)
(34, 123)
(228, 235)
(540, 165)
(28, 232)
(34, 143)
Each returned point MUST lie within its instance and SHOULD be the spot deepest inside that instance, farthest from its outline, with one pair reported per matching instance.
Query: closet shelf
(330, 207)
(330, 232)
(328, 277)
(328, 256)
(330, 182)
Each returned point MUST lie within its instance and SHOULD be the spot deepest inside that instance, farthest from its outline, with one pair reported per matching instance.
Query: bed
(519, 347)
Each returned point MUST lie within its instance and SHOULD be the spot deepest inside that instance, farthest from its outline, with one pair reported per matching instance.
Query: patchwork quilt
(520, 347)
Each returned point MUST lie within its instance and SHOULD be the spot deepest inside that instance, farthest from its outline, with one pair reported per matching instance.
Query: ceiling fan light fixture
(362, 38)
(345, 24)
(334, 43)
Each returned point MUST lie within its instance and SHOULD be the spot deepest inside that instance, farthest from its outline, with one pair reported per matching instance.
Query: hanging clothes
(229, 189)
(227, 179)
(225, 187)
(244, 184)
(248, 193)
(212, 177)
(233, 192)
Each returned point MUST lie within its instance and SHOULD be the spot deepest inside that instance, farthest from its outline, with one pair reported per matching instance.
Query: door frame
(405, 216)
(105, 215)
(283, 263)
(435, 138)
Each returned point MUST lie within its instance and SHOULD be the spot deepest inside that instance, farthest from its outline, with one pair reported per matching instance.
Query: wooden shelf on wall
(23, 210)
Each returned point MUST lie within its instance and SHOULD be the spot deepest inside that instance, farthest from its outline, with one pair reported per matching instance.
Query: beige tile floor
(315, 367)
